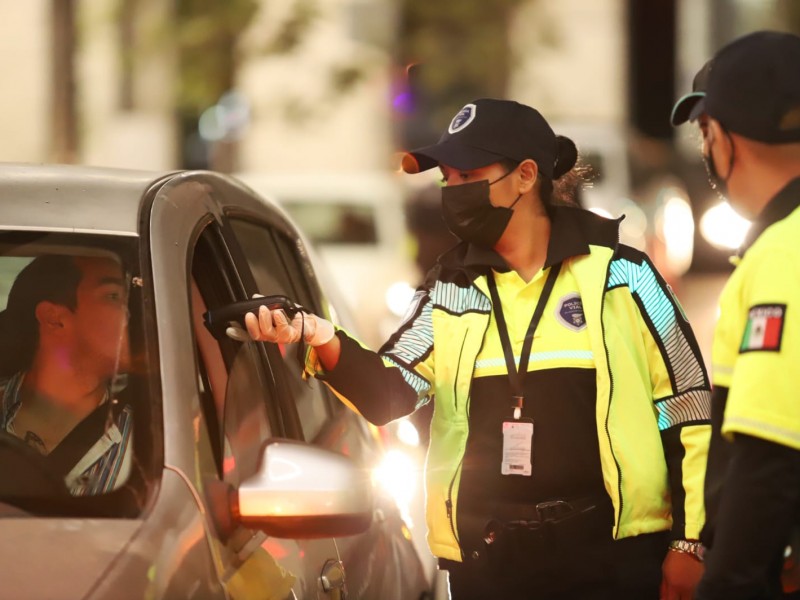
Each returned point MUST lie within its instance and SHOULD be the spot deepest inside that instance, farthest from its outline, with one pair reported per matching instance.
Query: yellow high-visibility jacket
(653, 394)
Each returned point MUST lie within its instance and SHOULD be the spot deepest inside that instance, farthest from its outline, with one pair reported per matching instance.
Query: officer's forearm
(329, 353)
(757, 509)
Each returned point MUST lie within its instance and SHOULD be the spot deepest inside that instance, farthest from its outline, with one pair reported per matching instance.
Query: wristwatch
(693, 548)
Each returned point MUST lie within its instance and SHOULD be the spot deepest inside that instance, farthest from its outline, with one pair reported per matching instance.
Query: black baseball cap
(486, 131)
(753, 88)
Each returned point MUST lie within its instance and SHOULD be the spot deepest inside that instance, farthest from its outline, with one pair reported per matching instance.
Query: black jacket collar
(572, 231)
(777, 209)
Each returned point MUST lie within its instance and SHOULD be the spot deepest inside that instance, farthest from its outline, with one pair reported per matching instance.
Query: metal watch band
(694, 548)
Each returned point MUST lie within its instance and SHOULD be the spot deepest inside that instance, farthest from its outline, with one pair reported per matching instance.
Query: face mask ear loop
(503, 176)
(733, 154)
(517, 199)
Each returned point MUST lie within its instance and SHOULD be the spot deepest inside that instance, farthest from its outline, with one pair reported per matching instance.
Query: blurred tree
(64, 139)
(206, 33)
(453, 52)
(206, 37)
(792, 11)
(209, 33)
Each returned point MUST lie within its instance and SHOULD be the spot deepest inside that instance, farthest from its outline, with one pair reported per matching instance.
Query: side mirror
(301, 491)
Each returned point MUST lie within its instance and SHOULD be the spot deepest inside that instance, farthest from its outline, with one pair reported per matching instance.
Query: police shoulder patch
(764, 328)
(569, 312)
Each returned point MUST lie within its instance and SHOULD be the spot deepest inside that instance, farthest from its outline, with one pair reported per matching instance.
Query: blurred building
(306, 84)
(96, 82)
(71, 96)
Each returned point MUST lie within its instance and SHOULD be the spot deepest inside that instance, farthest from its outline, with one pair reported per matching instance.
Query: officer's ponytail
(569, 177)
(566, 156)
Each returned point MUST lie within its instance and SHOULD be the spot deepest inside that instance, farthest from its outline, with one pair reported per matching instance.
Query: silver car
(231, 477)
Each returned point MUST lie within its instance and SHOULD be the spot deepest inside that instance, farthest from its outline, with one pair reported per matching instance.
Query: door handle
(332, 579)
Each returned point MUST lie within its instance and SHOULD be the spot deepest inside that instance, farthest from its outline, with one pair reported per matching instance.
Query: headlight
(407, 432)
(675, 225)
(397, 475)
(723, 227)
(398, 297)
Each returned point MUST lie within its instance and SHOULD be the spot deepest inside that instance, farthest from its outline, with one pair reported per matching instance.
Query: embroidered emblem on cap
(570, 312)
(764, 328)
(464, 117)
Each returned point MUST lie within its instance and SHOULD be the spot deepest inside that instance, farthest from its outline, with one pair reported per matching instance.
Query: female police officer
(570, 428)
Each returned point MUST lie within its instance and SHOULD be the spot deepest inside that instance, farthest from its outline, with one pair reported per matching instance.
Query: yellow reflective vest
(653, 393)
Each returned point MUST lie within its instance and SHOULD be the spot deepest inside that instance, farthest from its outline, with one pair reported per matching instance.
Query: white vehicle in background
(356, 224)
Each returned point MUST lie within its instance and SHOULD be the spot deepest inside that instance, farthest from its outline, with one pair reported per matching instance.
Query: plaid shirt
(107, 463)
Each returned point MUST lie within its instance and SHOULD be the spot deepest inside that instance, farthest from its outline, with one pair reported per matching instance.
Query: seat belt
(83, 436)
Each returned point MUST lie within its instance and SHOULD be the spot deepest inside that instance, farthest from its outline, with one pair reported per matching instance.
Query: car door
(240, 409)
(382, 562)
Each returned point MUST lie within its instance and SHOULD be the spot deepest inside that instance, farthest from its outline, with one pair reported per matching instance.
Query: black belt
(548, 529)
(549, 510)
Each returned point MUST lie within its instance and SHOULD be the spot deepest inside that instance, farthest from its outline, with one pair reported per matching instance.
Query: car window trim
(270, 351)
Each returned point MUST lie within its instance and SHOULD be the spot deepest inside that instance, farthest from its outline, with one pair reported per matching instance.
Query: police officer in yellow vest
(748, 109)
(571, 406)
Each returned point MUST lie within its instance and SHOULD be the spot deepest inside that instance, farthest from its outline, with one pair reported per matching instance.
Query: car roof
(359, 187)
(76, 198)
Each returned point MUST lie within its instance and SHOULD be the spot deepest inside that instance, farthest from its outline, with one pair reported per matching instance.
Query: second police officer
(747, 105)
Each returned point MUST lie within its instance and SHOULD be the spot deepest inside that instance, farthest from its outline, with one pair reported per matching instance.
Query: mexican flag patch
(764, 328)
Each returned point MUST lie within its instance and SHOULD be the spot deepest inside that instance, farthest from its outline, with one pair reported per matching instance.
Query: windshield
(71, 366)
(335, 222)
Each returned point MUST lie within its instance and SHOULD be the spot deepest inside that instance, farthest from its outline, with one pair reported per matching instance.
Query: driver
(65, 332)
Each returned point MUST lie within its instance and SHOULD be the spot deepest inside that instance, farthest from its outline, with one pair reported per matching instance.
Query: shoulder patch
(569, 312)
(764, 328)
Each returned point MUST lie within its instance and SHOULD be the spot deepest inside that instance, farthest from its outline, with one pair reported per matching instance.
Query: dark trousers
(629, 568)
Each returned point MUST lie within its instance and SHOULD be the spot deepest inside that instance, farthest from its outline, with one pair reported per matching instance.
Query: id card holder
(517, 447)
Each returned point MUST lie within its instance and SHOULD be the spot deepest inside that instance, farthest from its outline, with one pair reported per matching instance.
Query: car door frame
(182, 208)
(348, 431)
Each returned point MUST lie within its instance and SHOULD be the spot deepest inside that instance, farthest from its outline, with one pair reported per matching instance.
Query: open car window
(335, 223)
(72, 372)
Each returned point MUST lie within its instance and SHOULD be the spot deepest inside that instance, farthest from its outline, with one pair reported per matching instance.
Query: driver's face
(101, 316)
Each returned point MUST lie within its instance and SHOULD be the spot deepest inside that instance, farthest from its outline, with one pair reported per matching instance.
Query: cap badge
(464, 117)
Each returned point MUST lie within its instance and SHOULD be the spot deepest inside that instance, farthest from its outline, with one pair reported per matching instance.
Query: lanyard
(517, 377)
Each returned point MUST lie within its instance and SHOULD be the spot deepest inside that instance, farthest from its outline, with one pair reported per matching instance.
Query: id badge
(517, 448)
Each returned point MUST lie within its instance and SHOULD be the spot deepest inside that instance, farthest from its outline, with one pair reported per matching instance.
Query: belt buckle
(553, 510)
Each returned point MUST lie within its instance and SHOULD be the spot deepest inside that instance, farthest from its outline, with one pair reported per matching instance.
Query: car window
(335, 222)
(278, 269)
(71, 325)
(239, 396)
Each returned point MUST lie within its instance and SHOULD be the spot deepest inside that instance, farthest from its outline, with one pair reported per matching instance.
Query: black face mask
(717, 183)
(470, 215)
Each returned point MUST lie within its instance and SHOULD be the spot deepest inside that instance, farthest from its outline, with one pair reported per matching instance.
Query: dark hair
(568, 179)
(50, 277)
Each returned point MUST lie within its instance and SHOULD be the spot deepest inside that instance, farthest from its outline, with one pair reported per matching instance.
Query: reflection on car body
(244, 480)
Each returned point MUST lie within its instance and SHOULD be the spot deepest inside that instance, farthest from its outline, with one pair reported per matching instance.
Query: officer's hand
(236, 331)
(273, 326)
(680, 575)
